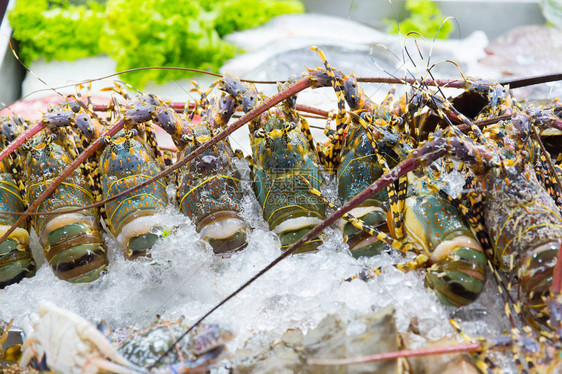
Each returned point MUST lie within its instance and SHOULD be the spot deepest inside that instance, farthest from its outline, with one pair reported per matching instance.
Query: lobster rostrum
(282, 156)
(16, 261)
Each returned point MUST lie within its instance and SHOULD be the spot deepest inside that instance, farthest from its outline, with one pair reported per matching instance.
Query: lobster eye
(259, 133)
(74, 106)
(289, 126)
(367, 117)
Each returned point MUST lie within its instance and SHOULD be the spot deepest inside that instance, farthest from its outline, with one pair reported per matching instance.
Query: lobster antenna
(393, 75)
(427, 68)
(446, 101)
(398, 26)
(404, 51)
(86, 81)
(439, 30)
(128, 85)
(30, 71)
(6, 106)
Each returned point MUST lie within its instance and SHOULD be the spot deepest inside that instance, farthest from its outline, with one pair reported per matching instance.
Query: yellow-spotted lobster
(501, 227)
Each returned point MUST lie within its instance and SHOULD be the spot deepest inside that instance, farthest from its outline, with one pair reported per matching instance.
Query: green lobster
(360, 164)
(16, 261)
(418, 219)
(283, 154)
(124, 163)
(209, 187)
(129, 158)
(72, 242)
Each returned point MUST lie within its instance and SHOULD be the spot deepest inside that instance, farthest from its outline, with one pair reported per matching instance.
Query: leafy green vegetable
(138, 33)
(244, 14)
(162, 33)
(425, 18)
(56, 30)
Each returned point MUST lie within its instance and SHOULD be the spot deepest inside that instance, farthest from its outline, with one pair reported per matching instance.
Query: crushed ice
(184, 278)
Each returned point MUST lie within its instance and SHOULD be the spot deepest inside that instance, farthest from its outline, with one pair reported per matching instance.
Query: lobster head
(278, 143)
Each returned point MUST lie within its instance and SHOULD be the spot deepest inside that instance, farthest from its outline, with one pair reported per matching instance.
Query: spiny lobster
(463, 149)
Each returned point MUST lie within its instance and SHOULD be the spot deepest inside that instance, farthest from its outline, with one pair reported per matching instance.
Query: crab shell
(70, 343)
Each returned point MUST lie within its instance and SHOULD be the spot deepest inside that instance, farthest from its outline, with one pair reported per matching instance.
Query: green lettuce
(175, 33)
(235, 15)
(56, 29)
(140, 33)
(425, 18)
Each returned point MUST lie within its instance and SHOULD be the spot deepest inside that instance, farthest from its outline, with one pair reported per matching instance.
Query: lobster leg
(361, 225)
(332, 156)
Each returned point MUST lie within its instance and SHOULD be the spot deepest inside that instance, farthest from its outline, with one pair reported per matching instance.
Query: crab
(70, 344)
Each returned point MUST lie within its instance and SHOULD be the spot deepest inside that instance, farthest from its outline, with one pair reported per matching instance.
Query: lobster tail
(225, 231)
(16, 261)
(74, 247)
(458, 277)
(360, 242)
(537, 271)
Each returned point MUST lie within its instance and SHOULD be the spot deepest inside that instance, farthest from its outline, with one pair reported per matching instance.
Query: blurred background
(66, 42)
